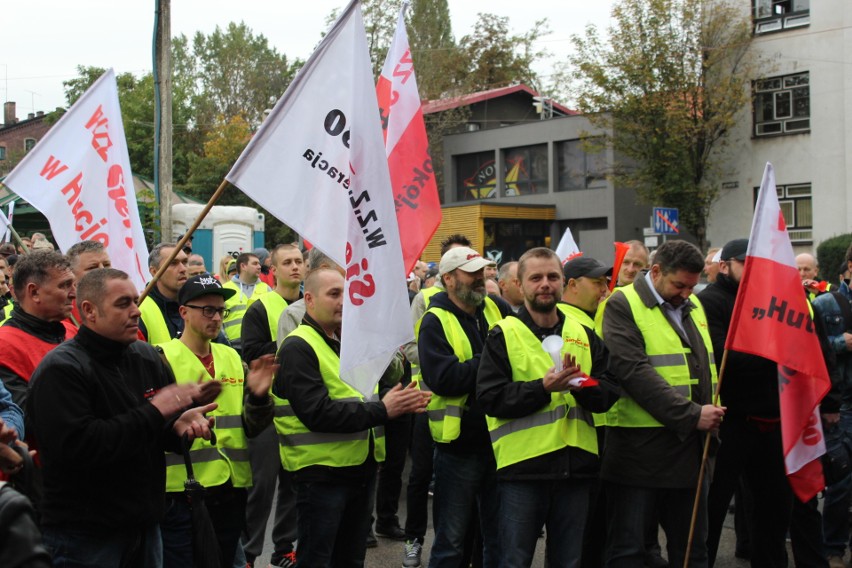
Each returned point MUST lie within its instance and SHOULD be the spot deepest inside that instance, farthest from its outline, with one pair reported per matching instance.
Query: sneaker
(371, 540)
(413, 550)
(836, 562)
(287, 561)
(393, 532)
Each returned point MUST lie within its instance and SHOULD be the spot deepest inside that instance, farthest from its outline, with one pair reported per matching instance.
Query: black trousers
(752, 449)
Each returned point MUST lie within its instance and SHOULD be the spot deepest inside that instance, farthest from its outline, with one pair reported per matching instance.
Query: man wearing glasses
(222, 467)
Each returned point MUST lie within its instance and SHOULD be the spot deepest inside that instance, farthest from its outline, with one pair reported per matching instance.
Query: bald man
(808, 271)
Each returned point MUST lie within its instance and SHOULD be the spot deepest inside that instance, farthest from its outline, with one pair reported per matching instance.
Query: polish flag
(771, 319)
(567, 249)
(415, 194)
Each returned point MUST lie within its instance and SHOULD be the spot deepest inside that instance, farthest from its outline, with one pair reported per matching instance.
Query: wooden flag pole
(17, 237)
(703, 465)
(182, 242)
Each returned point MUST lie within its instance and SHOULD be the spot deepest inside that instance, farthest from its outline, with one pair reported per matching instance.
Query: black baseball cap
(735, 250)
(202, 285)
(585, 266)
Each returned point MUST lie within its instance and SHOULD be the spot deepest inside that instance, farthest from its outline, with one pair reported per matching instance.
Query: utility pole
(164, 78)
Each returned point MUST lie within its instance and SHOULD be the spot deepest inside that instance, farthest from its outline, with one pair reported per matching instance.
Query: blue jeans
(461, 483)
(630, 511)
(139, 548)
(526, 506)
(835, 512)
(333, 521)
(227, 508)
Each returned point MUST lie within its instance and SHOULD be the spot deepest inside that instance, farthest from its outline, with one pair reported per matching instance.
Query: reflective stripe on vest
(275, 306)
(298, 446)
(228, 459)
(666, 354)
(155, 322)
(445, 412)
(561, 423)
(238, 304)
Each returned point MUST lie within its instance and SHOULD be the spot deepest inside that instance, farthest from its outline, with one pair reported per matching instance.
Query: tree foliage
(669, 84)
(495, 58)
(433, 48)
(237, 73)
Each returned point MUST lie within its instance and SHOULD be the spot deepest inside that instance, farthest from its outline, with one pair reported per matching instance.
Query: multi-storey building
(800, 121)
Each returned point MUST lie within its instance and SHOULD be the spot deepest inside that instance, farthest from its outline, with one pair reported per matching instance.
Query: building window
(2, 152)
(782, 105)
(29, 144)
(777, 15)
(526, 170)
(476, 176)
(579, 169)
(797, 207)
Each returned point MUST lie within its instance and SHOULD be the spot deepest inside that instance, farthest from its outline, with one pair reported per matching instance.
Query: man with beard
(751, 432)
(539, 418)
(662, 355)
(452, 335)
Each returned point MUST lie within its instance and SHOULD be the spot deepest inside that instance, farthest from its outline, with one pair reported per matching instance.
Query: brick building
(17, 137)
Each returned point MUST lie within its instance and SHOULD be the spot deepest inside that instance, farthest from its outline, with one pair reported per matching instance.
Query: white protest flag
(4, 223)
(79, 177)
(318, 164)
(10, 218)
(567, 248)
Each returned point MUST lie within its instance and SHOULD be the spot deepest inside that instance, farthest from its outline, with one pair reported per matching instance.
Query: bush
(830, 254)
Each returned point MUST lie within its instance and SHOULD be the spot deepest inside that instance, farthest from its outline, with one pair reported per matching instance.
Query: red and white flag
(771, 319)
(318, 164)
(415, 194)
(79, 177)
(567, 249)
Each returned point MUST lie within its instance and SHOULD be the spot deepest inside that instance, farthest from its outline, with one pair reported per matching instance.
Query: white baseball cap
(465, 258)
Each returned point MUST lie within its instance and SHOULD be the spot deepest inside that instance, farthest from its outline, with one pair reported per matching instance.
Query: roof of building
(440, 105)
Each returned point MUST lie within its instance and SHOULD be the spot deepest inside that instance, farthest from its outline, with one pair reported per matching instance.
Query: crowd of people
(539, 398)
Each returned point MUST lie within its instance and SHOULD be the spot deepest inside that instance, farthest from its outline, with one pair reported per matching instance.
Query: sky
(43, 41)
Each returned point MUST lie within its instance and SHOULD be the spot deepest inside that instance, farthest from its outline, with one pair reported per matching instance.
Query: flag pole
(17, 237)
(703, 465)
(186, 237)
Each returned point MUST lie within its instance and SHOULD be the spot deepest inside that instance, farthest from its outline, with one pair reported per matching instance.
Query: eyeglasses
(210, 311)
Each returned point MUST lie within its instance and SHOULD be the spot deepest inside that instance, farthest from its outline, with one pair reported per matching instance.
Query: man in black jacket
(103, 408)
(540, 423)
(328, 431)
(751, 432)
(452, 335)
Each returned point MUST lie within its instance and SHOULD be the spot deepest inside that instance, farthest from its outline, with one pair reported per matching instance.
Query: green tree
(669, 84)
(433, 48)
(222, 145)
(237, 73)
(495, 58)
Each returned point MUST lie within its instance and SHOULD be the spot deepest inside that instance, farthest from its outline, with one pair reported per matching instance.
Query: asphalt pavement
(389, 553)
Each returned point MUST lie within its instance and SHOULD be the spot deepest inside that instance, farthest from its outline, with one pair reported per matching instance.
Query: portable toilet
(227, 229)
